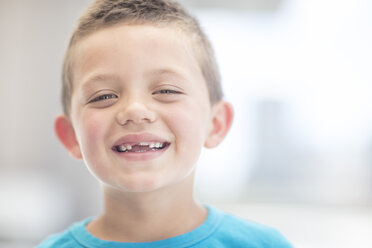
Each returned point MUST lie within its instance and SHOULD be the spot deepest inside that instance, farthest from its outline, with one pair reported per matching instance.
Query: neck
(148, 216)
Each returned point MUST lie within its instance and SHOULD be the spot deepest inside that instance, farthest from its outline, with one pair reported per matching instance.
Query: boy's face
(135, 87)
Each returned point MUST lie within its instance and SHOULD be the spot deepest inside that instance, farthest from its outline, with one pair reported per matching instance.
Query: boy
(141, 96)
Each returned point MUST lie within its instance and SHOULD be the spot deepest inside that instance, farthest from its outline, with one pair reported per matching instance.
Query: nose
(136, 112)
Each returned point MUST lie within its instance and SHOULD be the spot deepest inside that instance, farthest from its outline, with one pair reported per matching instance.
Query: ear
(222, 116)
(66, 134)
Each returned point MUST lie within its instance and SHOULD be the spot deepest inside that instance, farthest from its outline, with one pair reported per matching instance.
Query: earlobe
(222, 116)
(66, 134)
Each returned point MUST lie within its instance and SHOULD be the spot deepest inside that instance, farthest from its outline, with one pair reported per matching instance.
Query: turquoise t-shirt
(218, 230)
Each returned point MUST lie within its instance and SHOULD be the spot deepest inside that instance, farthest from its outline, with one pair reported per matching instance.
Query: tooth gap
(118, 149)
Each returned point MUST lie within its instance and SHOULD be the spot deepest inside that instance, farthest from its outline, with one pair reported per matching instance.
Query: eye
(103, 97)
(166, 91)
(168, 95)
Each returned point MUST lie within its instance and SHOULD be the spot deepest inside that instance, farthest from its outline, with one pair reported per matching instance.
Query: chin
(139, 185)
(148, 182)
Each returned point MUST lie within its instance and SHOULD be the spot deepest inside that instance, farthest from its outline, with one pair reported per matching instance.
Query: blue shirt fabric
(219, 230)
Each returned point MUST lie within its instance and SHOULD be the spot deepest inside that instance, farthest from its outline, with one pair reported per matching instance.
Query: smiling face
(140, 110)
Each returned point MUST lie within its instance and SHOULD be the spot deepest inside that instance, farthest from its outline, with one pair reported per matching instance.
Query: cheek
(188, 128)
(93, 147)
(93, 129)
(92, 135)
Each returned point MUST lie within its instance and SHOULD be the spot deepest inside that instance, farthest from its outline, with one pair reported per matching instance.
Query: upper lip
(137, 138)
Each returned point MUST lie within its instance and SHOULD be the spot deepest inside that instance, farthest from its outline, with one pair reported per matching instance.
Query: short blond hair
(107, 13)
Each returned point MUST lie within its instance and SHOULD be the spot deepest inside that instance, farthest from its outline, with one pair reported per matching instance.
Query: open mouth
(141, 147)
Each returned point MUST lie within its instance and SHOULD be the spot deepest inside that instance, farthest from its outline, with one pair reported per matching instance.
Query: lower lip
(141, 156)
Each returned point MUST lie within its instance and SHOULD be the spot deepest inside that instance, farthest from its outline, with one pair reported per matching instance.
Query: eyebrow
(98, 78)
(169, 71)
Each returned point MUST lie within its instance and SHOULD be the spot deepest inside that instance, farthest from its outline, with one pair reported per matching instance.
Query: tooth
(152, 145)
(129, 147)
(144, 144)
(122, 148)
(157, 145)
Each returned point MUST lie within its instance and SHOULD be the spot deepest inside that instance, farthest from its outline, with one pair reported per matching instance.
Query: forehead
(129, 48)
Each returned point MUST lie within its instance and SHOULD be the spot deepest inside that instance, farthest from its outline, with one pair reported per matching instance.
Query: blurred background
(299, 154)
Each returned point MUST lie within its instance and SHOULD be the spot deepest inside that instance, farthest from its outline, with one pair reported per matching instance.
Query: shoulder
(61, 240)
(245, 233)
(65, 239)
